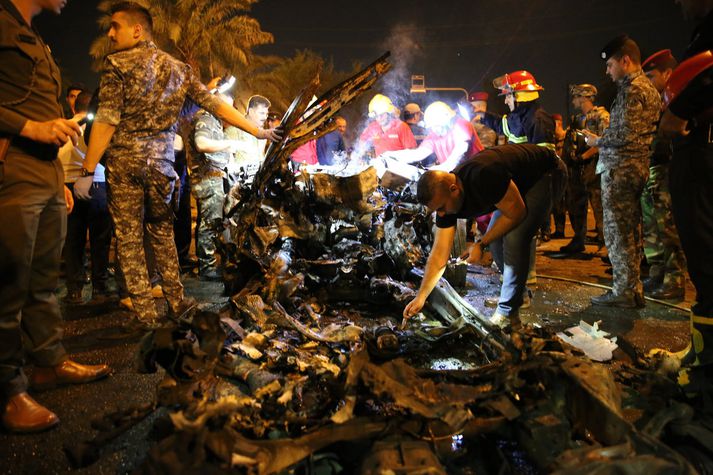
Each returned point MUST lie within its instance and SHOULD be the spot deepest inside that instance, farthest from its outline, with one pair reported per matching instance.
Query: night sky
(452, 43)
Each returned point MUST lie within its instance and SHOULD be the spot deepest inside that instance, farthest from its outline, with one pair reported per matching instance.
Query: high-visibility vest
(512, 138)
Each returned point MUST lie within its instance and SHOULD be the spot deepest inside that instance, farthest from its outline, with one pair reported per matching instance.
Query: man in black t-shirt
(688, 120)
(514, 181)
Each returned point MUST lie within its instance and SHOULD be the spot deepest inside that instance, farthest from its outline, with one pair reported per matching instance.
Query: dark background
(452, 43)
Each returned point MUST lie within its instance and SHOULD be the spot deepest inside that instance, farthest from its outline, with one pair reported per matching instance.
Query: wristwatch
(85, 172)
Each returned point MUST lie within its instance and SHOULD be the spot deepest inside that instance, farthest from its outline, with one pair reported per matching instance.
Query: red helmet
(685, 73)
(517, 81)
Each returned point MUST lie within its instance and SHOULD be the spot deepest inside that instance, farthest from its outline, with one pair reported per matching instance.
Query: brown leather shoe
(68, 372)
(24, 414)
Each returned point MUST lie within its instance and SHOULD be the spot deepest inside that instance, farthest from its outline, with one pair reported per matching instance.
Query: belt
(41, 151)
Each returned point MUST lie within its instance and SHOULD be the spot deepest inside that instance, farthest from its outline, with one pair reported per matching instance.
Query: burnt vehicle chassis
(307, 370)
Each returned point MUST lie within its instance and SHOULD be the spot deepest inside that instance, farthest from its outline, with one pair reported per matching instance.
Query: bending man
(515, 181)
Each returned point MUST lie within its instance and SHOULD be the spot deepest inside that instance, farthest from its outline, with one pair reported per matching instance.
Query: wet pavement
(94, 335)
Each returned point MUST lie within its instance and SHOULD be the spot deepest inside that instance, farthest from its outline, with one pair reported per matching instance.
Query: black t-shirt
(698, 95)
(485, 177)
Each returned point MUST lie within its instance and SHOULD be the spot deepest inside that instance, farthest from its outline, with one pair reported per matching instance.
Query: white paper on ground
(591, 340)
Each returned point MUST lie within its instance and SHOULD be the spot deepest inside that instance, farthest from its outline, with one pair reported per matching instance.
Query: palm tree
(281, 79)
(210, 35)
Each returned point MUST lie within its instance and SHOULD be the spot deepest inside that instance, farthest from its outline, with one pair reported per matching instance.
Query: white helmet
(438, 114)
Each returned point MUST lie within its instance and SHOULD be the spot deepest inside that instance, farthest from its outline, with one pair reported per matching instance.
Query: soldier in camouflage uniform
(583, 182)
(662, 246)
(623, 165)
(249, 151)
(209, 171)
(141, 94)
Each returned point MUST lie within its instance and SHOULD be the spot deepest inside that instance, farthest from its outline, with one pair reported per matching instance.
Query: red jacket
(398, 136)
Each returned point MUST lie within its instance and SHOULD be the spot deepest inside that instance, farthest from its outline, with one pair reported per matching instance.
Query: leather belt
(41, 151)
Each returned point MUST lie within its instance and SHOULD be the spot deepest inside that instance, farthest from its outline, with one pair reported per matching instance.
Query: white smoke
(404, 44)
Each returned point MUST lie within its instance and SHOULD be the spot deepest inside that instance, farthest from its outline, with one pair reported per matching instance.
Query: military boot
(573, 247)
(627, 299)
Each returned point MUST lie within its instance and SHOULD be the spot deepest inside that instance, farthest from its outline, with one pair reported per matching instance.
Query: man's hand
(413, 307)
(590, 138)
(82, 187)
(672, 126)
(55, 132)
(474, 255)
(213, 83)
(69, 199)
(273, 135)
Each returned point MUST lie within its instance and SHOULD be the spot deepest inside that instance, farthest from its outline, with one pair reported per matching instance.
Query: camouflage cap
(584, 90)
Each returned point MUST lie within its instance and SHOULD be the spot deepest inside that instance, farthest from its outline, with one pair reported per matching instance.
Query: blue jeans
(513, 251)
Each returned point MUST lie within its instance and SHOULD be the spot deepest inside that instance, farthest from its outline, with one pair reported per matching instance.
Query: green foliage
(281, 79)
(210, 35)
(217, 37)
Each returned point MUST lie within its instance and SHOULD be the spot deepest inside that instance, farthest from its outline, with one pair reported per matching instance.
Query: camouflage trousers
(140, 202)
(210, 196)
(583, 186)
(662, 245)
(593, 184)
(621, 200)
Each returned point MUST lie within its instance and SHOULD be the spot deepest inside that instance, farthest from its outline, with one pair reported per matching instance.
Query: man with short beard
(624, 150)
(141, 95)
(662, 247)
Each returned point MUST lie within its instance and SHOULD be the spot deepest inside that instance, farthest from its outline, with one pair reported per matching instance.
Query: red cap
(478, 96)
(685, 73)
(557, 117)
(660, 60)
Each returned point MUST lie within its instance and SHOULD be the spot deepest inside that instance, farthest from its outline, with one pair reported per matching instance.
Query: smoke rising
(405, 47)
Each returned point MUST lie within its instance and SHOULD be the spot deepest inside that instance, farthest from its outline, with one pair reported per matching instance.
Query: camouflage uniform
(250, 154)
(662, 246)
(624, 151)
(583, 183)
(141, 93)
(208, 174)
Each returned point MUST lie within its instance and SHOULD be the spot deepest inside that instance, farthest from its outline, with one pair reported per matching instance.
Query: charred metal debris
(307, 370)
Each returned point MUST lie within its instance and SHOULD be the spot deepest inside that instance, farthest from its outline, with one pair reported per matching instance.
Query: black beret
(614, 46)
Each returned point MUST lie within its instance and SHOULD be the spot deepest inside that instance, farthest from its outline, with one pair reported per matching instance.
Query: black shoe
(669, 292)
(652, 283)
(73, 297)
(211, 275)
(187, 265)
(626, 300)
(557, 235)
(573, 247)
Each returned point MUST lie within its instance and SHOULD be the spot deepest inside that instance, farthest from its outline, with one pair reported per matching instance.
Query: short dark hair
(628, 48)
(427, 186)
(82, 102)
(76, 86)
(136, 12)
(258, 100)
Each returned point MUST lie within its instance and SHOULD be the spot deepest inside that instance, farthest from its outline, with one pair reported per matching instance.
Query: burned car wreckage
(307, 371)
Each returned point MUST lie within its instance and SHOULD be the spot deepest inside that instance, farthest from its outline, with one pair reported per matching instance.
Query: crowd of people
(123, 165)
